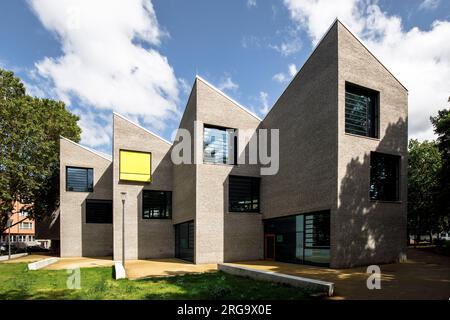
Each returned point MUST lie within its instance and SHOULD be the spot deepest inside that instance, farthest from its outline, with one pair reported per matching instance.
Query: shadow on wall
(368, 231)
(97, 238)
(243, 231)
(155, 237)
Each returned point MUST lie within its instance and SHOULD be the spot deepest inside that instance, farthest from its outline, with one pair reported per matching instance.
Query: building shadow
(366, 231)
(97, 238)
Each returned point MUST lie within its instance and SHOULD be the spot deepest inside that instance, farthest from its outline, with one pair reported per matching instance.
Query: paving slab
(80, 262)
(137, 269)
(424, 275)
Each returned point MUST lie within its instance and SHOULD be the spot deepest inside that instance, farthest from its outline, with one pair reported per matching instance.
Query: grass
(18, 283)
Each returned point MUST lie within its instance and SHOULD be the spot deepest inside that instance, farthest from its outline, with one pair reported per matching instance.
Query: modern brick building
(337, 199)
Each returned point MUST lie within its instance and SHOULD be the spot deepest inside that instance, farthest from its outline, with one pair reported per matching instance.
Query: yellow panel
(135, 166)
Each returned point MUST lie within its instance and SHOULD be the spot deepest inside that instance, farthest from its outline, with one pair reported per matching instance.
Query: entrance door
(269, 244)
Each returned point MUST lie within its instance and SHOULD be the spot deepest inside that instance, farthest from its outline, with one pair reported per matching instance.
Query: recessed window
(156, 204)
(384, 177)
(243, 194)
(219, 145)
(99, 211)
(361, 111)
(79, 179)
(135, 166)
(26, 225)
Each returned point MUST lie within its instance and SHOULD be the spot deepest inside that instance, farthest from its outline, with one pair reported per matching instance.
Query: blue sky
(140, 58)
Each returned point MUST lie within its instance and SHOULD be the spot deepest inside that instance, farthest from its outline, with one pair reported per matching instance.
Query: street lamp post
(124, 197)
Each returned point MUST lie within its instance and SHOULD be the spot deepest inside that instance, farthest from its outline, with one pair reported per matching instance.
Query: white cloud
(184, 85)
(420, 59)
(282, 77)
(263, 97)
(288, 47)
(292, 70)
(227, 84)
(109, 60)
(96, 128)
(251, 3)
(429, 4)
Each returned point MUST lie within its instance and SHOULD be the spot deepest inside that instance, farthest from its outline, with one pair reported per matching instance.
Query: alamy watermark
(374, 280)
(234, 147)
(74, 278)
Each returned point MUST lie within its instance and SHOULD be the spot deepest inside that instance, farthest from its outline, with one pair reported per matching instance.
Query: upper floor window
(79, 179)
(384, 177)
(23, 213)
(99, 211)
(219, 145)
(135, 166)
(243, 194)
(26, 225)
(156, 204)
(361, 111)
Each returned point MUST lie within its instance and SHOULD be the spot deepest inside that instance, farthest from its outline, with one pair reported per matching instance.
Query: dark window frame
(88, 188)
(255, 194)
(92, 220)
(234, 135)
(385, 197)
(169, 205)
(373, 130)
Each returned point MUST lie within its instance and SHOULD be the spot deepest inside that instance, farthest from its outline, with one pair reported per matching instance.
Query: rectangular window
(135, 166)
(384, 177)
(156, 204)
(79, 179)
(99, 211)
(361, 111)
(243, 194)
(26, 225)
(23, 213)
(219, 145)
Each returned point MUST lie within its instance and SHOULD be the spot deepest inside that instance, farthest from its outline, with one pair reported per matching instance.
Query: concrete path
(80, 262)
(164, 267)
(424, 276)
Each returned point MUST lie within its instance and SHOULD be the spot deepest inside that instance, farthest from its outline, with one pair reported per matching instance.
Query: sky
(140, 57)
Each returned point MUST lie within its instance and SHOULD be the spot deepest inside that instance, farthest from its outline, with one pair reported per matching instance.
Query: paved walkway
(164, 267)
(424, 276)
(80, 262)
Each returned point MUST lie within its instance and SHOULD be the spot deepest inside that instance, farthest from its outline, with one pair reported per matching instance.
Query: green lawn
(16, 282)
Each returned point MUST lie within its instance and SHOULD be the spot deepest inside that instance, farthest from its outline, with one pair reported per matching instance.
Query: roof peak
(100, 154)
(141, 127)
(198, 77)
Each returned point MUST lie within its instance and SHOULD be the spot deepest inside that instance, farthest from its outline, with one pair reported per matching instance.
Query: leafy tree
(29, 148)
(424, 166)
(441, 124)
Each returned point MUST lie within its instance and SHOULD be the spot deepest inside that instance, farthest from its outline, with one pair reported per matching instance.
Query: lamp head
(123, 196)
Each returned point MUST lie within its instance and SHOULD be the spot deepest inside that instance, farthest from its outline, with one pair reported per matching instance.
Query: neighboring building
(22, 233)
(338, 198)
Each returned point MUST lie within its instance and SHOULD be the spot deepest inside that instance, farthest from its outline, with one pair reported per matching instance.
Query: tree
(29, 148)
(424, 167)
(441, 124)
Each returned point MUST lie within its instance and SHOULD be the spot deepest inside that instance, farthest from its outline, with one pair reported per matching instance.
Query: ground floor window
(303, 238)
(184, 241)
(98, 211)
(156, 204)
